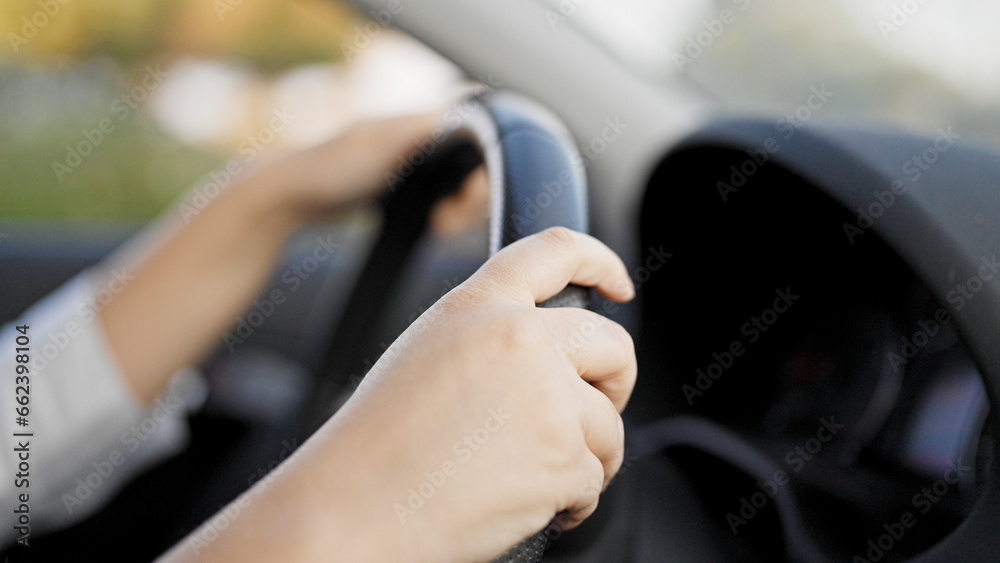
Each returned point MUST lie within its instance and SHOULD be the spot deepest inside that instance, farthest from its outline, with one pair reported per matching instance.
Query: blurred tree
(270, 35)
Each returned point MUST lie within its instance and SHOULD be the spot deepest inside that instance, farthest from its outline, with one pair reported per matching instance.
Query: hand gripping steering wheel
(536, 181)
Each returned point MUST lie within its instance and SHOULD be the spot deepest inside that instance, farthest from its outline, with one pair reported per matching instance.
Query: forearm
(329, 502)
(187, 290)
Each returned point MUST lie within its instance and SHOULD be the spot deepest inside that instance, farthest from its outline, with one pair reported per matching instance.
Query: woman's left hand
(365, 162)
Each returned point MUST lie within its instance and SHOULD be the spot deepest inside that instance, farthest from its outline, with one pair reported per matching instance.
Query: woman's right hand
(488, 417)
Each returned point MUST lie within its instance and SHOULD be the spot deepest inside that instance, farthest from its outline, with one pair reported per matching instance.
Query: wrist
(343, 503)
(265, 197)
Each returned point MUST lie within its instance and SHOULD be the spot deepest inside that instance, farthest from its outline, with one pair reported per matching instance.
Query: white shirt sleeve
(89, 434)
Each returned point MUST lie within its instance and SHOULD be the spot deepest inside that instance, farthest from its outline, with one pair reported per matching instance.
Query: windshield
(917, 64)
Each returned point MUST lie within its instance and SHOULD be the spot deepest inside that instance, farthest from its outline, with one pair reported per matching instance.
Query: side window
(112, 108)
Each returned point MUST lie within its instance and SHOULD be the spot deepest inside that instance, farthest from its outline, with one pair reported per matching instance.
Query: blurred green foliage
(81, 54)
(131, 176)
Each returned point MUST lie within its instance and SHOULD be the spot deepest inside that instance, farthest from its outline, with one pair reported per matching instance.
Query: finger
(404, 131)
(465, 209)
(600, 349)
(583, 500)
(352, 167)
(537, 267)
(603, 431)
(604, 434)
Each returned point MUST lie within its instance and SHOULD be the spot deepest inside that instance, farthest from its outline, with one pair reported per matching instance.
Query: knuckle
(499, 273)
(560, 434)
(515, 332)
(584, 499)
(590, 498)
(561, 236)
(622, 337)
(460, 299)
(562, 459)
(577, 517)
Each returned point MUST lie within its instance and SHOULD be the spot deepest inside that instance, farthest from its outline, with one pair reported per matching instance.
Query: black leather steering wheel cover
(533, 158)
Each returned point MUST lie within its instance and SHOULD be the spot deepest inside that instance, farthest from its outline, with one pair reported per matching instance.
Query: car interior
(816, 325)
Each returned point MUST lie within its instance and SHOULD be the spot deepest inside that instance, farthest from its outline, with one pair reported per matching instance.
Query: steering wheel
(536, 181)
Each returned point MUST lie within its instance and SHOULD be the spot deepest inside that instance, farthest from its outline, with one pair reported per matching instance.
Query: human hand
(232, 243)
(489, 415)
(363, 163)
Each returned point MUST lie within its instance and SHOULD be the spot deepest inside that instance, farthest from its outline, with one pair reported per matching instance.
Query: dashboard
(840, 374)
